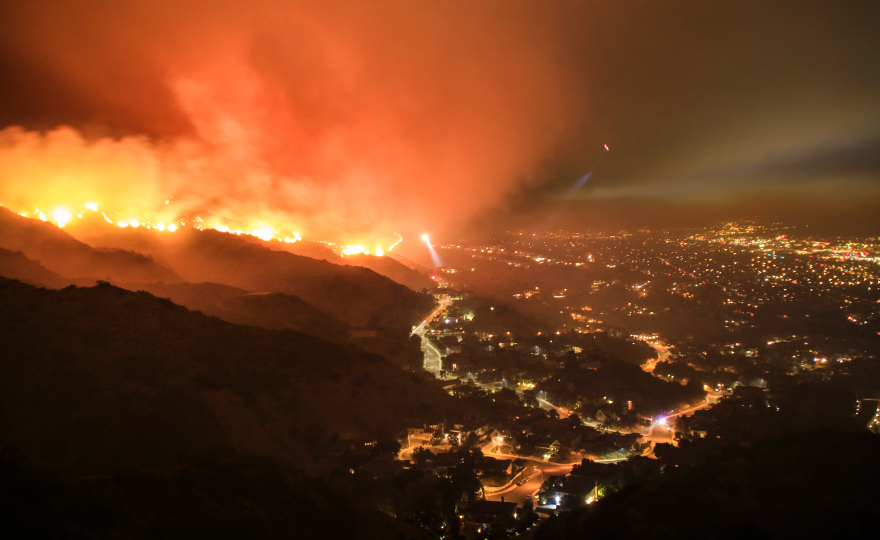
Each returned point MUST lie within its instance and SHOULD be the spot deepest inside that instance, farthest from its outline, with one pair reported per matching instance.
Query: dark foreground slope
(212, 499)
(125, 415)
(99, 379)
(816, 485)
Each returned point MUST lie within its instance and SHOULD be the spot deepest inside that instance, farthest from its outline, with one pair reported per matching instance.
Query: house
(423, 431)
(547, 494)
(417, 428)
(462, 431)
(625, 441)
(548, 446)
(585, 488)
(569, 438)
(513, 375)
(603, 416)
(441, 463)
(592, 474)
(699, 426)
(514, 428)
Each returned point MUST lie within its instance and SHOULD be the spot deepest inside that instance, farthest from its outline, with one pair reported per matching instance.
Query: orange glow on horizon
(62, 217)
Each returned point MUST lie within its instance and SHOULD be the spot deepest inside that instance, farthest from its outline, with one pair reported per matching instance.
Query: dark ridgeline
(64, 255)
(355, 295)
(16, 265)
(277, 311)
(398, 269)
(125, 414)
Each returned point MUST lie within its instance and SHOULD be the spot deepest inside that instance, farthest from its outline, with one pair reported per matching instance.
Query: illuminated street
(433, 358)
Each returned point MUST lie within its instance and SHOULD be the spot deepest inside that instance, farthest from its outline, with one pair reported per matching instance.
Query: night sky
(350, 119)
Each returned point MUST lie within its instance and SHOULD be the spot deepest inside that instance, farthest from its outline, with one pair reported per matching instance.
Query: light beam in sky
(583, 179)
(435, 258)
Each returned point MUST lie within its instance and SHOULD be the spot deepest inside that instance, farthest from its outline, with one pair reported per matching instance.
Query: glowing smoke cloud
(434, 256)
(306, 116)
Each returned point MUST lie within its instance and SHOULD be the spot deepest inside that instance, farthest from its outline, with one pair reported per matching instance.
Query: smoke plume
(345, 121)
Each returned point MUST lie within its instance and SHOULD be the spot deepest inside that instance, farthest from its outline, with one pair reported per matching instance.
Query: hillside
(410, 264)
(16, 265)
(94, 231)
(276, 311)
(270, 310)
(101, 379)
(353, 294)
(392, 269)
(61, 253)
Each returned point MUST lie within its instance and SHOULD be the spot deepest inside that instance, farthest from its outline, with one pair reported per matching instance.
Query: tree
(414, 354)
(529, 399)
(422, 454)
(570, 502)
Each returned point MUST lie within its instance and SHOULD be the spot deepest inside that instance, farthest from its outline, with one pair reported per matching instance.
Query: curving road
(520, 494)
(433, 358)
(662, 355)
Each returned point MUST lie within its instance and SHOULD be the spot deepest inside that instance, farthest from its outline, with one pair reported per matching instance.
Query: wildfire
(399, 240)
(355, 250)
(264, 233)
(62, 216)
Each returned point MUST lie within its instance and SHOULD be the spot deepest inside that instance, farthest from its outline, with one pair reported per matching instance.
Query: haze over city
(449, 269)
